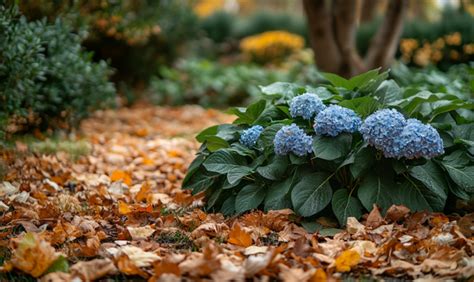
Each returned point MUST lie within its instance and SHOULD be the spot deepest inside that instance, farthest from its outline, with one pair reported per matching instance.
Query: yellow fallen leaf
(144, 192)
(346, 260)
(120, 175)
(319, 276)
(124, 208)
(239, 237)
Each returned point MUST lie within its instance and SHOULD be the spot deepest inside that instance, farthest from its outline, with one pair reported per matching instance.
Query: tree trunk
(332, 29)
(385, 42)
(318, 15)
(369, 9)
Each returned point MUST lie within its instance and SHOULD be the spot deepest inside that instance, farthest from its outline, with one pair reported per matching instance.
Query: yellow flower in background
(468, 49)
(271, 46)
(454, 55)
(439, 43)
(453, 39)
(204, 8)
(423, 55)
(408, 45)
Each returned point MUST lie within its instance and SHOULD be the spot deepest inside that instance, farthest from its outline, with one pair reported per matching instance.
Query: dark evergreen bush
(45, 77)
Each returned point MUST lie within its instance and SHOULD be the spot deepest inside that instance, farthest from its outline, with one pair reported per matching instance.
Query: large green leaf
(228, 207)
(277, 196)
(281, 90)
(337, 80)
(276, 169)
(363, 106)
(250, 115)
(312, 193)
(388, 92)
(237, 173)
(331, 148)
(416, 197)
(200, 181)
(364, 159)
(377, 189)
(432, 177)
(59, 265)
(345, 205)
(462, 174)
(215, 143)
(193, 167)
(223, 162)
(250, 197)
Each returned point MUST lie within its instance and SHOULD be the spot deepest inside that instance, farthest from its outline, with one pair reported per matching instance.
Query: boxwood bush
(45, 76)
(338, 149)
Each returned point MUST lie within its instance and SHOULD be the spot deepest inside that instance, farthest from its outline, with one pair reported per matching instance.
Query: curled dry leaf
(32, 254)
(139, 233)
(239, 237)
(93, 269)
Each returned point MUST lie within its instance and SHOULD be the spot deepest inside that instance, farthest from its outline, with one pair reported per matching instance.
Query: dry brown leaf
(32, 254)
(396, 213)
(93, 269)
(239, 237)
(374, 219)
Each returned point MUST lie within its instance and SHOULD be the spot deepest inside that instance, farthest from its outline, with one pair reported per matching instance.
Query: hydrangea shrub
(338, 149)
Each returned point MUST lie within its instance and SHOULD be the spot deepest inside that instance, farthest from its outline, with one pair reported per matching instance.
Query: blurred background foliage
(210, 52)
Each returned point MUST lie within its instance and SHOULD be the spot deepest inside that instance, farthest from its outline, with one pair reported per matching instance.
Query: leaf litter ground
(118, 212)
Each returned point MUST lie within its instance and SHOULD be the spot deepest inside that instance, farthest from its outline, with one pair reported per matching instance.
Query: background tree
(332, 29)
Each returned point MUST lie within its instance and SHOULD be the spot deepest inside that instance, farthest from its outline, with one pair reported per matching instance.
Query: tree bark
(369, 8)
(384, 44)
(345, 22)
(332, 29)
(323, 43)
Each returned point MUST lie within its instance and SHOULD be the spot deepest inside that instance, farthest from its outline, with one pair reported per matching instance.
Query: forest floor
(107, 203)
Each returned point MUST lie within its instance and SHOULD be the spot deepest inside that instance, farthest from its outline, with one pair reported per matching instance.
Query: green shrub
(45, 76)
(219, 26)
(136, 36)
(214, 84)
(262, 21)
(343, 175)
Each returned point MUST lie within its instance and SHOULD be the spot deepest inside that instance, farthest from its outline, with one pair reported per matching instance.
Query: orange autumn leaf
(346, 260)
(120, 175)
(319, 276)
(124, 208)
(166, 267)
(32, 254)
(145, 190)
(128, 267)
(239, 237)
(147, 161)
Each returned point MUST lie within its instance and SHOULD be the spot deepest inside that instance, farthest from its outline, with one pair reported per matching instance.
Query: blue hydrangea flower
(292, 139)
(335, 119)
(250, 136)
(419, 140)
(306, 106)
(381, 128)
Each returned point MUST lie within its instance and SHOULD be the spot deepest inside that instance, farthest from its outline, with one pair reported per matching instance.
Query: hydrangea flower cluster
(250, 136)
(388, 131)
(292, 139)
(381, 128)
(306, 106)
(420, 140)
(335, 120)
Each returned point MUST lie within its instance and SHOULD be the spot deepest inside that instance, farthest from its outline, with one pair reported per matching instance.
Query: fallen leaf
(128, 267)
(374, 219)
(466, 225)
(347, 260)
(139, 233)
(120, 175)
(138, 256)
(124, 208)
(32, 254)
(319, 276)
(144, 192)
(93, 269)
(396, 213)
(239, 237)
